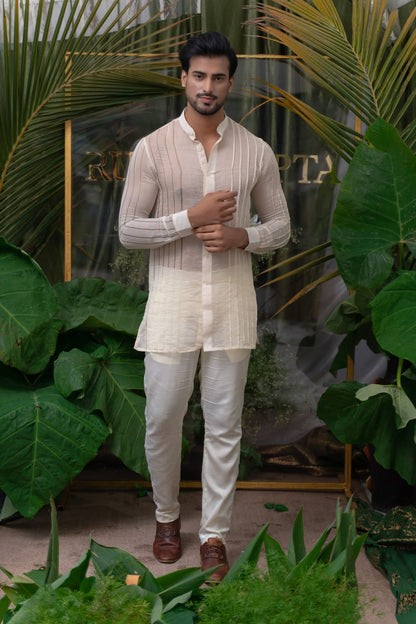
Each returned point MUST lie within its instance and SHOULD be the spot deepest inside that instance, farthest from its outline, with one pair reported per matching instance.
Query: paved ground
(121, 518)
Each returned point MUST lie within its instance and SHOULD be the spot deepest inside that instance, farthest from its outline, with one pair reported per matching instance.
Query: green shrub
(108, 600)
(258, 598)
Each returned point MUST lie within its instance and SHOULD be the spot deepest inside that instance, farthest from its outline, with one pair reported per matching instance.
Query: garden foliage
(70, 378)
(374, 242)
(327, 571)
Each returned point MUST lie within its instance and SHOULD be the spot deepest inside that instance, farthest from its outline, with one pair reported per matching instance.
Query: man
(187, 198)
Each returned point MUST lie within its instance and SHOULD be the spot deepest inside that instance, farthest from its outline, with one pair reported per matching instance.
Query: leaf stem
(399, 373)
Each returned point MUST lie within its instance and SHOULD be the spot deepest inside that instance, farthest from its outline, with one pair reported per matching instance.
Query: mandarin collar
(190, 131)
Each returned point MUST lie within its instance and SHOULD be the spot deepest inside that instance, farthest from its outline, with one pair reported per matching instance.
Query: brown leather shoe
(212, 554)
(167, 543)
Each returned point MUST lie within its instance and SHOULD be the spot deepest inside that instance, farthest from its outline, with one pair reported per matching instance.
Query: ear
(184, 76)
(231, 83)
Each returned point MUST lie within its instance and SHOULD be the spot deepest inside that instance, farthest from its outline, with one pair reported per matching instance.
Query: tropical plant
(338, 555)
(369, 72)
(75, 58)
(298, 586)
(107, 600)
(365, 61)
(165, 596)
(374, 241)
(174, 598)
(70, 378)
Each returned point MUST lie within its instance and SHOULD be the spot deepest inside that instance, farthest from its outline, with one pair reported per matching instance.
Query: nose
(208, 84)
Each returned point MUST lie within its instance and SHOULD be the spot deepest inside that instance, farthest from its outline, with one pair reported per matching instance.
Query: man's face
(207, 83)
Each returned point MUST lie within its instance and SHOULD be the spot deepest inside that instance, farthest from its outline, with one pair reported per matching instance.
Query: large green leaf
(296, 551)
(93, 303)
(249, 557)
(5, 603)
(75, 577)
(351, 313)
(28, 331)
(109, 560)
(394, 319)
(376, 208)
(353, 318)
(403, 406)
(45, 441)
(107, 380)
(179, 583)
(311, 557)
(52, 560)
(275, 555)
(372, 421)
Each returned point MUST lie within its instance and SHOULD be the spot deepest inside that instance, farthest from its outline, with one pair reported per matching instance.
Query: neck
(203, 125)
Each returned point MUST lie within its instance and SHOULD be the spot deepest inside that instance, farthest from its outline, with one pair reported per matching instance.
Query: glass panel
(289, 370)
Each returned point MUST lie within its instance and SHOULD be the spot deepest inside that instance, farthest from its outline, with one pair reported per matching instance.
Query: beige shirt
(199, 299)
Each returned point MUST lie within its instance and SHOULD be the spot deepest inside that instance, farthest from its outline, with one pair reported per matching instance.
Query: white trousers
(169, 381)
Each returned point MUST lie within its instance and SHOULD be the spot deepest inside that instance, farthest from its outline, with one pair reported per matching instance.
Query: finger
(204, 229)
(227, 204)
(226, 217)
(227, 195)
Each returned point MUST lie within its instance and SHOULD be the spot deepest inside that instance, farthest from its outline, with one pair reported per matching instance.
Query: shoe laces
(166, 529)
(216, 552)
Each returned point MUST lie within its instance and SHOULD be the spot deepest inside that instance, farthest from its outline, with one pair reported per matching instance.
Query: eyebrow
(198, 71)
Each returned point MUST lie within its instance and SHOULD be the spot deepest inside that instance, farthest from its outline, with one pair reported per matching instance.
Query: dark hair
(208, 44)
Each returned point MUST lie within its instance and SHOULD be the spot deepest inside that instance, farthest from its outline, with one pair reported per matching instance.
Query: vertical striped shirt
(199, 299)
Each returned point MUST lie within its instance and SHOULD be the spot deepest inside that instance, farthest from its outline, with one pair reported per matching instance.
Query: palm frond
(300, 256)
(370, 74)
(337, 135)
(305, 267)
(307, 289)
(71, 61)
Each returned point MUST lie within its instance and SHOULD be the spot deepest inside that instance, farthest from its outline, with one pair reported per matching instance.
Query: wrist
(191, 218)
(243, 239)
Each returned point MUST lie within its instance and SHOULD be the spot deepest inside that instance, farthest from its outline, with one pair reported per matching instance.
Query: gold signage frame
(344, 482)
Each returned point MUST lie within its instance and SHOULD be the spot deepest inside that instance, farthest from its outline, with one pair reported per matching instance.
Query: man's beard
(200, 108)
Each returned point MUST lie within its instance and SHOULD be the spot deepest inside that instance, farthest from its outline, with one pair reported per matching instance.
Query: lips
(207, 98)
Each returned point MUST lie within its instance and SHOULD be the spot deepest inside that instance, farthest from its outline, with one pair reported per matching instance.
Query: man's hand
(218, 237)
(217, 207)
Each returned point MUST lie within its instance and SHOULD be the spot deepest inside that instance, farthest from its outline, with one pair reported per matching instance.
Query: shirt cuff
(253, 239)
(181, 222)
